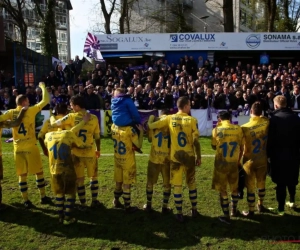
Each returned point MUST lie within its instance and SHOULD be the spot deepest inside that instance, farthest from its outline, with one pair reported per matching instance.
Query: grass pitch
(109, 228)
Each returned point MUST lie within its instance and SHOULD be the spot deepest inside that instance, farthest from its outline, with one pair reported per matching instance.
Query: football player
(8, 124)
(84, 158)
(26, 153)
(63, 176)
(255, 157)
(159, 162)
(227, 140)
(125, 164)
(185, 152)
(61, 110)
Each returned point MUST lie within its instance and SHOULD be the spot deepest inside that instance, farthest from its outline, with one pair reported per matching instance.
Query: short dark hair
(165, 112)
(20, 99)
(78, 100)
(182, 101)
(61, 109)
(224, 115)
(256, 108)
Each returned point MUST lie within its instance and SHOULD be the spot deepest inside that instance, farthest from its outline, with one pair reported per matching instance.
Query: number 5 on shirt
(82, 134)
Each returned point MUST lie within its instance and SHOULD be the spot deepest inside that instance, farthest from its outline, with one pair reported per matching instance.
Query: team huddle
(72, 143)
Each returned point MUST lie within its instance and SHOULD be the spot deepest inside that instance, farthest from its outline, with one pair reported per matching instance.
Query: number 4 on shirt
(22, 129)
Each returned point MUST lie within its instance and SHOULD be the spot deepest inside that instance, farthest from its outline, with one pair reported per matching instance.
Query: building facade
(62, 17)
(202, 16)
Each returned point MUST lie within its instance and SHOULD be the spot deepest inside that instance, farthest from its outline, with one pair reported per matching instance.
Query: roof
(69, 5)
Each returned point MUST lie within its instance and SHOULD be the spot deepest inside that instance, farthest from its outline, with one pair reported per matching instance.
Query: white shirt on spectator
(296, 102)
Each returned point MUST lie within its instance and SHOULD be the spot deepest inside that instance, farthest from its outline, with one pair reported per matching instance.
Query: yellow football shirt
(228, 140)
(123, 138)
(25, 133)
(160, 145)
(87, 133)
(256, 134)
(47, 127)
(183, 131)
(59, 145)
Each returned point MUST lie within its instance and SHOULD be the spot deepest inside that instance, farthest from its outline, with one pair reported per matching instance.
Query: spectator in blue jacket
(124, 112)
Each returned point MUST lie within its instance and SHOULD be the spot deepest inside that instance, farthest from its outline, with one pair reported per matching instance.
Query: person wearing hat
(227, 140)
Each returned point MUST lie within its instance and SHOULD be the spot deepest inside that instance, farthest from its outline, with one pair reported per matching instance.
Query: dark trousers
(281, 194)
(135, 126)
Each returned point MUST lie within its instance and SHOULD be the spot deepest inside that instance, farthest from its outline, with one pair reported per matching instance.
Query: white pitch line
(140, 155)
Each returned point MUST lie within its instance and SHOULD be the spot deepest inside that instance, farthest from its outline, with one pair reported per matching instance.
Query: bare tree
(287, 16)
(228, 15)
(172, 17)
(15, 10)
(125, 15)
(107, 15)
(294, 12)
(48, 34)
(271, 6)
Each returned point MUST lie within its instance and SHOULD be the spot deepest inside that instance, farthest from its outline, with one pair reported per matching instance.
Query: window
(62, 20)
(63, 36)
(33, 33)
(62, 48)
(38, 46)
(32, 45)
(63, 58)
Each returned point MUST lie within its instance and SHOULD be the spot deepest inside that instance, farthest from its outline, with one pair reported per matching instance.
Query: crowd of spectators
(158, 84)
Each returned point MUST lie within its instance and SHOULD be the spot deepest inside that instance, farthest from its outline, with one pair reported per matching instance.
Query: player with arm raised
(63, 176)
(185, 152)
(255, 157)
(8, 124)
(159, 162)
(84, 158)
(125, 164)
(227, 140)
(26, 153)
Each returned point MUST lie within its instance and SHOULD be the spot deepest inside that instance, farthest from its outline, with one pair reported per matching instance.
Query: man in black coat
(283, 152)
(295, 98)
(225, 100)
(78, 66)
(92, 100)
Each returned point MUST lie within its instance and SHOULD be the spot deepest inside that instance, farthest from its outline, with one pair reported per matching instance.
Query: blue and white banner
(195, 41)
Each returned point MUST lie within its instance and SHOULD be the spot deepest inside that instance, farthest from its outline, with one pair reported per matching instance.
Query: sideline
(104, 155)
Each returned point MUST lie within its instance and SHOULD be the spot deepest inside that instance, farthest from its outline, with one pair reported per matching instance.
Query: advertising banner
(144, 114)
(96, 113)
(198, 41)
(107, 122)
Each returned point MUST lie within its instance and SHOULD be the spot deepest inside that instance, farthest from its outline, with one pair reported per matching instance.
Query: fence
(205, 121)
(27, 66)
